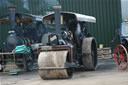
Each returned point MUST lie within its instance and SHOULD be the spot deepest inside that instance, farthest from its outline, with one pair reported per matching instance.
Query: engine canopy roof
(76, 16)
(21, 17)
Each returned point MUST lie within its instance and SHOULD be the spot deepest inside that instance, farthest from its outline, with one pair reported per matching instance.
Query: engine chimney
(12, 11)
(57, 16)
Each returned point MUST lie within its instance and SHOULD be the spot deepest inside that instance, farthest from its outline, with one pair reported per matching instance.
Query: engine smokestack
(57, 16)
(12, 11)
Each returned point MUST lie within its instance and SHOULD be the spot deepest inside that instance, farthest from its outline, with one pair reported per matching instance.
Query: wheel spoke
(123, 65)
(122, 51)
(118, 51)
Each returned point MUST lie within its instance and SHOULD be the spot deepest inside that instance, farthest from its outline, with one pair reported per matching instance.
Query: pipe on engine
(57, 18)
(12, 12)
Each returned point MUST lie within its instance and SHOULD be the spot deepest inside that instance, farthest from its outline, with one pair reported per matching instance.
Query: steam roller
(20, 48)
(67, 45)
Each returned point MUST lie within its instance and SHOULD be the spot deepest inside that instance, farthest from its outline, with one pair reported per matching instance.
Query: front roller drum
(52, 65)
(121, 57)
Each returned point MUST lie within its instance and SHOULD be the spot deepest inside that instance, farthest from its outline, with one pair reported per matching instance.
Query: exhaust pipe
(57, 16)
(12, 12)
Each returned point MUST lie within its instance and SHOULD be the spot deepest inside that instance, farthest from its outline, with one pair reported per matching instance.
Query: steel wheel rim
(121, 57)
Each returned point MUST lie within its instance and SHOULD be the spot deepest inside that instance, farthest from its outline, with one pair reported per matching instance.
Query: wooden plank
(7, 53)
(104, 53)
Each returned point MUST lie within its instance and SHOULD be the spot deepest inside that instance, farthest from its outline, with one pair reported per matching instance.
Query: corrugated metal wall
(107, 13)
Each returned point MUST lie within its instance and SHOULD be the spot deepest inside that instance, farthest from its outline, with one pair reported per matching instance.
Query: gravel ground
(106, 74)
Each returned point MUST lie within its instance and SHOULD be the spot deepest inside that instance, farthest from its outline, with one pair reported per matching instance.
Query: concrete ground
(106, 74)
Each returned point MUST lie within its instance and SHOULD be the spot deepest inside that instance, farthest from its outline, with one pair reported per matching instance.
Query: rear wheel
(28, 62)
(89, 50)
(25, 61)
(121, 57)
